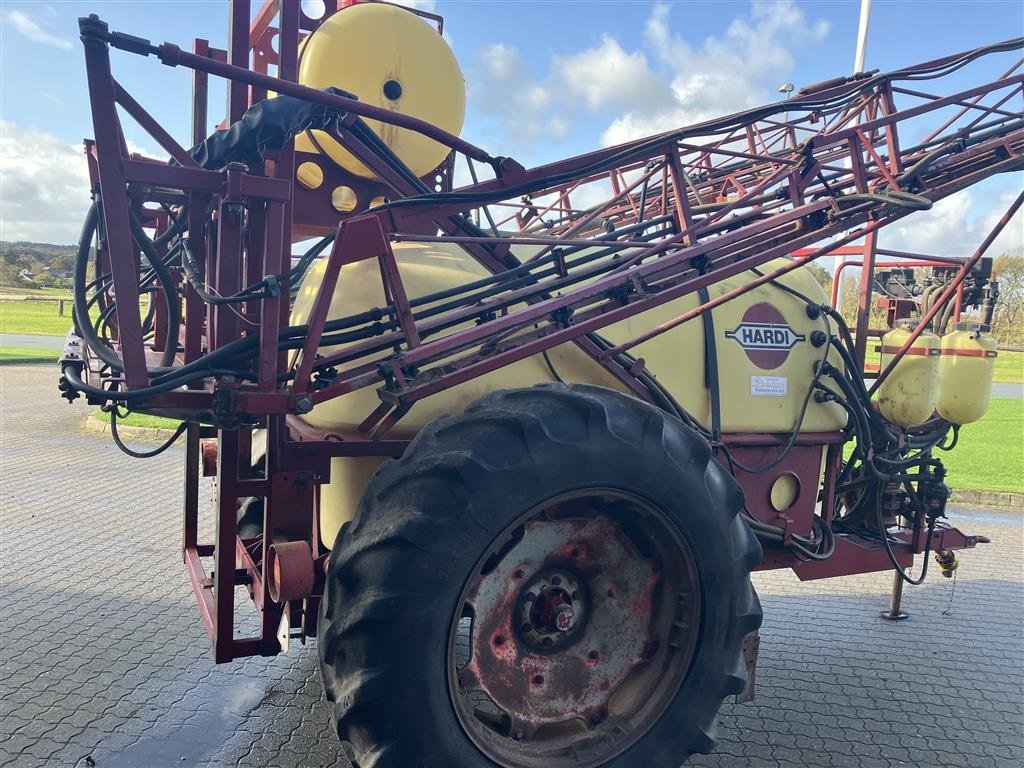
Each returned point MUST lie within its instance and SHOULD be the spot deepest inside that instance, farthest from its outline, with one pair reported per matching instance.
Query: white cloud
(24, 23)
(606, 75)
(665, 83)
(739, 70)
(956, 226)
(44, 186)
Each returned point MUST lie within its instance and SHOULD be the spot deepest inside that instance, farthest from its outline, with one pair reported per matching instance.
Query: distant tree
(822, 276)
(1008, 321)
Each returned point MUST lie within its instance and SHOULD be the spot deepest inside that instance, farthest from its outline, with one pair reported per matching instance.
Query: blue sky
(545, 79)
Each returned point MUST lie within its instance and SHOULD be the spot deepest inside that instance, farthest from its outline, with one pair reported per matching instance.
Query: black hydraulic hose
(80, 314)
(81, 305)
(143, 454)
(72, 374)
(168, 286)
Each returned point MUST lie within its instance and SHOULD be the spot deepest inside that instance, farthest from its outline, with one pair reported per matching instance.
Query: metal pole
(862, 36)
(858, 66)
(895, 613)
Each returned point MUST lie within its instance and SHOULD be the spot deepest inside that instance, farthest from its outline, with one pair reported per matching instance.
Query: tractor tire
(556, 577)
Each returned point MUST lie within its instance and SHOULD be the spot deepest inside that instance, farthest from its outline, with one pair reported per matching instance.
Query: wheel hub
(578, 626)
(551, 611)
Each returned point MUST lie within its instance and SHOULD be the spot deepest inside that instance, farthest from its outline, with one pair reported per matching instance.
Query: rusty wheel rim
(574, 632)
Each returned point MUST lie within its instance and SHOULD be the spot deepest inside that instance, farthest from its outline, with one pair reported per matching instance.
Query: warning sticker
(769, 386)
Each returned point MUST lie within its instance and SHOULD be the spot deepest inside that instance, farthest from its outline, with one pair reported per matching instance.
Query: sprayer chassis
(779, 185)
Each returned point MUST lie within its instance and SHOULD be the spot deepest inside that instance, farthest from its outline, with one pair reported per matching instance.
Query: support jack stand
(895, 613)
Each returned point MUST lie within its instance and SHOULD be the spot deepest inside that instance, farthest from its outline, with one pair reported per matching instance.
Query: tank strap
(923, 352)
(970, 352)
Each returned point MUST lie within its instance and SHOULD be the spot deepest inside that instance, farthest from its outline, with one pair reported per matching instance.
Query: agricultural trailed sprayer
(510, 447)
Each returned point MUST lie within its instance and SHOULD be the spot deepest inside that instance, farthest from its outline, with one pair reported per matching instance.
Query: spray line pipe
(950, 289)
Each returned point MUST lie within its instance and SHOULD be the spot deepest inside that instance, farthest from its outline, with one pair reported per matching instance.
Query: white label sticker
(769, 386)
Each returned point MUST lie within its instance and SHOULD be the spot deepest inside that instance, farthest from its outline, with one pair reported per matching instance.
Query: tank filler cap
(910, 324)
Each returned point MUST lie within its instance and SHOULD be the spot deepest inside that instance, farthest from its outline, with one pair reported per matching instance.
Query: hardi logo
(765, 336)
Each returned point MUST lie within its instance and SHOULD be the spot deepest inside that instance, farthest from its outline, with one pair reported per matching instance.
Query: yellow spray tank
(909, 393)
(966, 367)
(390, 58)
(762, 343)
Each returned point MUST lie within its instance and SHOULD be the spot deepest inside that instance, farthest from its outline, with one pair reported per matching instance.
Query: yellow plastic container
(966, 366)
(909, 393)
(391, 58)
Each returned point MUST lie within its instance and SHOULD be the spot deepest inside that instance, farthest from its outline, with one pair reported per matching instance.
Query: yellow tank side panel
(763, 389)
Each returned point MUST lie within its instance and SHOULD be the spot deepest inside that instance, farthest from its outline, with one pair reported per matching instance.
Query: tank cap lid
(907, 323)
(977, 327)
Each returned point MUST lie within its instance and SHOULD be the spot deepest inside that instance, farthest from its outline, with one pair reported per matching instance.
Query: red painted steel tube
(867, 284)
(938, 260)
(173, 56)
(116, 213)
(950, 289)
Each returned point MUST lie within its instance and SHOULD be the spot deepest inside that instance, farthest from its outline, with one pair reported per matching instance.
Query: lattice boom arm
(675, 212)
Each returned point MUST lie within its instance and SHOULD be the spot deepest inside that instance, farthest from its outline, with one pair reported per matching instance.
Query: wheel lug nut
(562, 618)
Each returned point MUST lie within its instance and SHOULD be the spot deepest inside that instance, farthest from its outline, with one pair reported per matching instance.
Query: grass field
(142, 420)
(60, 293)
(990, 454)
(1010, 367)
(26, 355)
(36, 317)
(135, 420)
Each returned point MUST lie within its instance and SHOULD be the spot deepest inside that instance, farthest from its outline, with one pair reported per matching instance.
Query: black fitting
(813, 311)
(392, 90)
(824, 396)
(818, 338)
(93, 28)
(133, 44)
(935, 494)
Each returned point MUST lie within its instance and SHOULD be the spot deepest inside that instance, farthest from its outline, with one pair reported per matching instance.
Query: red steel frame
(687, 209)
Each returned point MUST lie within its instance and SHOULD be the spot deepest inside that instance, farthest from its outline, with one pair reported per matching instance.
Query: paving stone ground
(103, 659)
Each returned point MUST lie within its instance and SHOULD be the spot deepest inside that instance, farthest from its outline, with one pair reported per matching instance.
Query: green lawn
(36, 317)
(990, 454)
(26, 355)
(145, 420)
(137, 420)
(61, 293)
(1010, 367)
